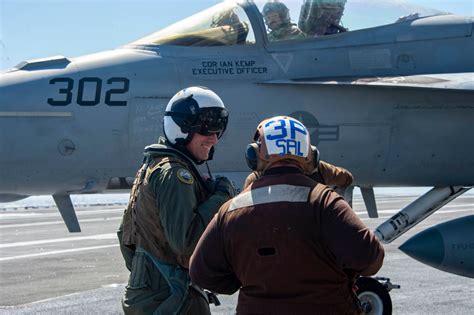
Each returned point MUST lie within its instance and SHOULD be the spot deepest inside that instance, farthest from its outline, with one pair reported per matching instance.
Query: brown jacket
(325, 173)
(291, 245)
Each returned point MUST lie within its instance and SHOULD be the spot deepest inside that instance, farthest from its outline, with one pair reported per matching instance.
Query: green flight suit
(285, 31)
(169, 209)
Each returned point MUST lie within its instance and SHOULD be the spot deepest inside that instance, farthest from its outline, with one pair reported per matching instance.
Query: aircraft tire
(373, 296)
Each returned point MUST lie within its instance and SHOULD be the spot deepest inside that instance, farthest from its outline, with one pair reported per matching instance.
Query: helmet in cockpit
(275, 14)
(277, 17)
(322, 17)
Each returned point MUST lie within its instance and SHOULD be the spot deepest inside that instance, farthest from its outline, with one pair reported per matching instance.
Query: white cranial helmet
(281, 138)
(194, 110)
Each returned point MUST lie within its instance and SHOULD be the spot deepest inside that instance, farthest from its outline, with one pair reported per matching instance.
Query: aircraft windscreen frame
(223, 24)
(203, 29)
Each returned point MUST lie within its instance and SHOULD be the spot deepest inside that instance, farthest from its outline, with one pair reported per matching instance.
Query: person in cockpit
(277, 17)
(235, 31)
(322, 17)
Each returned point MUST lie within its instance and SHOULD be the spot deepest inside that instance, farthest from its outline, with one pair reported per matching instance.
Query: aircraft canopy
(221, 25)
(227, 23)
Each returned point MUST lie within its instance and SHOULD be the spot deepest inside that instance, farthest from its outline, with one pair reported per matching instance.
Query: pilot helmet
(194, 110)
(331, 8)
(281, 138)
(277, 7)
(321, 17)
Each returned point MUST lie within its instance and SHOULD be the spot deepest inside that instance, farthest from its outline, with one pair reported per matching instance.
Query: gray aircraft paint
(448, 246)
(393, 103)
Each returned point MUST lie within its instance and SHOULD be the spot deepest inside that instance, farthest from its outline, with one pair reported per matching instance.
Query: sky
(41, 28)
(32, 29)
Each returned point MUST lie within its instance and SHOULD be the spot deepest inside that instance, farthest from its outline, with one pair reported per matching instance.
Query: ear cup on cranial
(251, 155)
(315, 155)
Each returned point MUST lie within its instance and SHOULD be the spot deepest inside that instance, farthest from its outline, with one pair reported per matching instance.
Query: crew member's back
(291, 245)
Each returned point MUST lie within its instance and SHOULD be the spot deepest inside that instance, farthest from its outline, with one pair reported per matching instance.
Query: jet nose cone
(448, 246)
(426, 247)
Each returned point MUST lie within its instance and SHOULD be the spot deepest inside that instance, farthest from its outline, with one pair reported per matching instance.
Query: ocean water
(122, 199)
(77, 200)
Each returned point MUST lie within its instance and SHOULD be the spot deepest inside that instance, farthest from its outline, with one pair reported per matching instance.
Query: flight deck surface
(46, 270)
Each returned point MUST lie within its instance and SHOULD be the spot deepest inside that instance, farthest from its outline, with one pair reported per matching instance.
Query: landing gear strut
(373, 295)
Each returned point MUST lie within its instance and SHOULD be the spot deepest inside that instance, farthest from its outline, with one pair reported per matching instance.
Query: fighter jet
(386, 94)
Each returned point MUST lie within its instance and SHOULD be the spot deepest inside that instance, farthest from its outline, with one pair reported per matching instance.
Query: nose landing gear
(373, 294)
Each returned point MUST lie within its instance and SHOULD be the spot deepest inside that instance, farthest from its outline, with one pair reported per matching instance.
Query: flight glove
(223, 184)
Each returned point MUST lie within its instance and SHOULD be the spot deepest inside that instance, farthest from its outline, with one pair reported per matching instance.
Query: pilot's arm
(183, 217)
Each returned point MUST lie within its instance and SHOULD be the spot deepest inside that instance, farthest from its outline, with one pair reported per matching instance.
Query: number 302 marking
(66, 86)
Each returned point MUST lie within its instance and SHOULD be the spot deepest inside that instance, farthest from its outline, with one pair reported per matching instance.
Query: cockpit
(229, 23)
(224, 24)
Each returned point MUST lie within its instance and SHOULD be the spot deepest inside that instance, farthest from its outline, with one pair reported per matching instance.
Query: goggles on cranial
(211, 120)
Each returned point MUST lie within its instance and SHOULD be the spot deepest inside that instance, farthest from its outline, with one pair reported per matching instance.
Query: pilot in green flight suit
(170, 206)
(277, 18)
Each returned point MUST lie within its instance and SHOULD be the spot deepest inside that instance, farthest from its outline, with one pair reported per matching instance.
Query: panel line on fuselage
(35, 114)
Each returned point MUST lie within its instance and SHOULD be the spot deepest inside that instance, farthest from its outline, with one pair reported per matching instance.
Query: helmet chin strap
(210, 156)
(209, 171)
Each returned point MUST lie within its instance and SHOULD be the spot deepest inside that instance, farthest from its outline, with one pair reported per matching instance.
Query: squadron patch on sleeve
(185, 176)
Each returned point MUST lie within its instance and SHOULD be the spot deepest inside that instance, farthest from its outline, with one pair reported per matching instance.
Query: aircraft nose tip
(426, 247)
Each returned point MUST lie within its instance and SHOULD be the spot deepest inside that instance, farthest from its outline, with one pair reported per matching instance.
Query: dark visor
(211, 120)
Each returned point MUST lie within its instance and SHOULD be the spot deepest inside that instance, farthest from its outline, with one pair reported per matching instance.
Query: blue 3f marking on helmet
(293, 129)
(279, 133)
